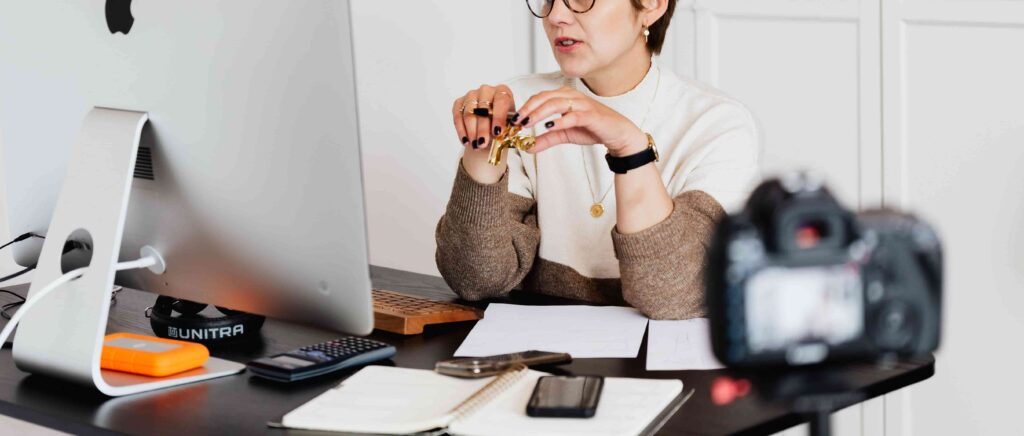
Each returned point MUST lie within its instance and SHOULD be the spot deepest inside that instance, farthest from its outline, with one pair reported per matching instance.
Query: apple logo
(119, 16)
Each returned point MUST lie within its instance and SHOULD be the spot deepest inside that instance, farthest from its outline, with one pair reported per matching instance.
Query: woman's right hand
(476, 132)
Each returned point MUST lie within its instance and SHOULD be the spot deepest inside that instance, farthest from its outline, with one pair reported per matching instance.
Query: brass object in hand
(511, 138)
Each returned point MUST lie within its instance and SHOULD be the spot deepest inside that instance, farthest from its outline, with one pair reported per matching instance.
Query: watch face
(654, 147)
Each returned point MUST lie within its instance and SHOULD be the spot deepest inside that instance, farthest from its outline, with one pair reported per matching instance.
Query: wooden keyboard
(406, 314)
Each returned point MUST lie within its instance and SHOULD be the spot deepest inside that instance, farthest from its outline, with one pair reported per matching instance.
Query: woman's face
(588, 42)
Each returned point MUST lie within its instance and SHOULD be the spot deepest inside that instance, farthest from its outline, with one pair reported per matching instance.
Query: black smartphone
(565, 396)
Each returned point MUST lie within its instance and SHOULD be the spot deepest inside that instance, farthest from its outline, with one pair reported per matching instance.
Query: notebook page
(384, 399)
(626, 407)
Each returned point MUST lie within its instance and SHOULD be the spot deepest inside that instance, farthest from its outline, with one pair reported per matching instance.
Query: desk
(242, 404)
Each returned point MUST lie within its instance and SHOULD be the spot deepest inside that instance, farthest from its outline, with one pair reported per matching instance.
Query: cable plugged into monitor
(21, 238)
(159, 265)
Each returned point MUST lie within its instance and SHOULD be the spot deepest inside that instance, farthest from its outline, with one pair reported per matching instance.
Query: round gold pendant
(596, 210)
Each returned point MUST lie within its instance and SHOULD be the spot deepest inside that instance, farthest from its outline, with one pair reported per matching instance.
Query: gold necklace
(597, 208)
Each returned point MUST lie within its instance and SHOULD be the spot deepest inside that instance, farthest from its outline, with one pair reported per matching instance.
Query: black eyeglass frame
(567, 6)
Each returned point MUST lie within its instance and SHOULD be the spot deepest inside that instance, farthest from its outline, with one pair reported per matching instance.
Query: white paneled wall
(810, 73)
(954, 152)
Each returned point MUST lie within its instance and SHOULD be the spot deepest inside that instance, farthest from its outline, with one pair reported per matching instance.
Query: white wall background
(916, 104)
(7, 265)
(413, 58)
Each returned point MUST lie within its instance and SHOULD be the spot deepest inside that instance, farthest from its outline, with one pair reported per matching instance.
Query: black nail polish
(515, 117)
(465, 140)
(497, 130)
(549, 124)
(525, 121)
(474, 144)
(481, 140)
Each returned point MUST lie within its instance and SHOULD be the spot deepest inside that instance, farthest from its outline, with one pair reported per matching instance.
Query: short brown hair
(660, 28)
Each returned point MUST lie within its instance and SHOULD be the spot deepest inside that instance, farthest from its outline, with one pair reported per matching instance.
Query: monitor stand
(63, 335)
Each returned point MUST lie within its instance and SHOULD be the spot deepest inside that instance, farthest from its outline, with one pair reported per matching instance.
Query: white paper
(679, 345)
(627, 406)
(582, 331)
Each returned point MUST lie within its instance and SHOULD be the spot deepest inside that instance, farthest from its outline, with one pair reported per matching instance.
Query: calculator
(319, 359)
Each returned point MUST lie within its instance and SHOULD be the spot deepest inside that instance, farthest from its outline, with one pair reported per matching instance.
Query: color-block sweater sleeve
(662, 267)
(487, 239)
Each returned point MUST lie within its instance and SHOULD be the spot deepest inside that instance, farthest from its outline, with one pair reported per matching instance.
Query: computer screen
(248, 179)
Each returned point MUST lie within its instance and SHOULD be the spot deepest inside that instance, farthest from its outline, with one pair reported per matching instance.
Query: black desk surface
(242, 404)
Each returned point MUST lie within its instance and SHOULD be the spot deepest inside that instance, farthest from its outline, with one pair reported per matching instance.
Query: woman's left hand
(584, 121)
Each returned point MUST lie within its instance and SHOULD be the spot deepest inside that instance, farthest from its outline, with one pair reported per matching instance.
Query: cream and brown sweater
(532, 229)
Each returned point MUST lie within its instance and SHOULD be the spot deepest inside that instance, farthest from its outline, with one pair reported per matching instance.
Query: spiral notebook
(389, 400)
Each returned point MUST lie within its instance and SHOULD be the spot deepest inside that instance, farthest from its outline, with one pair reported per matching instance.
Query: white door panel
(954, 152)
(810, 73)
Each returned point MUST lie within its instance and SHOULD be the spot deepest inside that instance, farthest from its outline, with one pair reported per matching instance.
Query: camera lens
(895, 326)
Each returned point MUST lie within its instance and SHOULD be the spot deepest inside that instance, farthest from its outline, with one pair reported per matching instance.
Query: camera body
(795, 279)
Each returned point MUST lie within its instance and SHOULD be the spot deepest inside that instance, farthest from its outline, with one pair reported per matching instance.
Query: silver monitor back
(249, 182)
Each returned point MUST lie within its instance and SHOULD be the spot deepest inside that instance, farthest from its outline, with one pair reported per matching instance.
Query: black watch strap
(622, 165)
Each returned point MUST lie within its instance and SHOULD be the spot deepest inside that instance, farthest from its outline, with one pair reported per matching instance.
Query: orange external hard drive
(149, 355)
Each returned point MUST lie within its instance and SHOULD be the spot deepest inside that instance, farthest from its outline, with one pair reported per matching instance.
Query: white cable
(144, 262)
(141, 263)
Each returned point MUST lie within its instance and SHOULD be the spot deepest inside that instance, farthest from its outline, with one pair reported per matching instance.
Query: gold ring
(570, 105)
(473, 102)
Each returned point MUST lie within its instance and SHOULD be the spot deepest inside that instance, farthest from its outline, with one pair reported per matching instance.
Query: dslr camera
(795, 279)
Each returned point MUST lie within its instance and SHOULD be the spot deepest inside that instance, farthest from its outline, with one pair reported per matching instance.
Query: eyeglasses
(542, 8)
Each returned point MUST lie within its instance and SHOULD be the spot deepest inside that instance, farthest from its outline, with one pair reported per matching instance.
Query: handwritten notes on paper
(582, 331)
(591, 331)
(679, 345)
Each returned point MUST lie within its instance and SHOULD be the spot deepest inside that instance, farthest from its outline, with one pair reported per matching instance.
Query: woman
(544, 220)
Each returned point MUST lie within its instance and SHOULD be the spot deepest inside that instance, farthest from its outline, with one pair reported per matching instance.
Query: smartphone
(565, 396)
(476, 367)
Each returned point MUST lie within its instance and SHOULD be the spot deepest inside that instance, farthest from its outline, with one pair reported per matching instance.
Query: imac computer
(219, 137)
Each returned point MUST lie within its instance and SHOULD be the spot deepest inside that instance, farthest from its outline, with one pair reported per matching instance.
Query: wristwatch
(622, 165)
